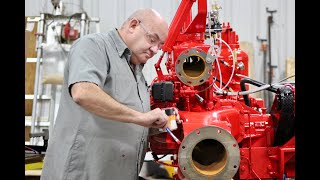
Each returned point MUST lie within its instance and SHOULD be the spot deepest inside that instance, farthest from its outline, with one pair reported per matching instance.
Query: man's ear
(133, 23)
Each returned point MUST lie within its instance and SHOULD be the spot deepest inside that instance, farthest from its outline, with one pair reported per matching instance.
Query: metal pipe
(270, 21)
(264, 51)
(52, 108)
(83, 24)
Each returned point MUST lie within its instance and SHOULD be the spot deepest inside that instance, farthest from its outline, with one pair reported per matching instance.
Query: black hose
(245, 80)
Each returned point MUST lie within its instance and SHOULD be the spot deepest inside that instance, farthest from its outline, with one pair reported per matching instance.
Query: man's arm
(92, 98)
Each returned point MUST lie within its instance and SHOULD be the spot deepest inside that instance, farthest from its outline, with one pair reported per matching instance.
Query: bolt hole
(198, 131)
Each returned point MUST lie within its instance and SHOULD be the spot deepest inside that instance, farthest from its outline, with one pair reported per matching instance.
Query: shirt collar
(121, 47)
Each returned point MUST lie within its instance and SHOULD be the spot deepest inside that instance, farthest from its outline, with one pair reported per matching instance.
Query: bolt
(243, 168)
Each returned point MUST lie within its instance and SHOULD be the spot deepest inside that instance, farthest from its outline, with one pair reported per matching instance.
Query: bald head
(144, 32)
(147, 15)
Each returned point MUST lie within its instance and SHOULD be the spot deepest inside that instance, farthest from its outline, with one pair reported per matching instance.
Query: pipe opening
(209, 157)
(193, 66)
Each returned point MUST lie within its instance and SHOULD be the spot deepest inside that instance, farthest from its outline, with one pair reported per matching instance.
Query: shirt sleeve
(88, 62)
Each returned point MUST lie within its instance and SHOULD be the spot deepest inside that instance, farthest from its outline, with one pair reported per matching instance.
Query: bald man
(104, 115)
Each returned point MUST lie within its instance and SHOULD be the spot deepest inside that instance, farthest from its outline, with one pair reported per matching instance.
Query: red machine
(225, 133)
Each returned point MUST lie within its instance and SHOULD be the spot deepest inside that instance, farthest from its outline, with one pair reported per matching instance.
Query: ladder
(38, 97)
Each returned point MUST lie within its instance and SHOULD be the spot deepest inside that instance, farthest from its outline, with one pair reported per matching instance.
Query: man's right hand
(155, 118)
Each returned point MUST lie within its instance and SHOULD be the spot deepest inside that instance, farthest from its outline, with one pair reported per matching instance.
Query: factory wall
(247, 17)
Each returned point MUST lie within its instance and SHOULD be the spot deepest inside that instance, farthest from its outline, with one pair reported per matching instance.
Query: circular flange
(220, 162)
(192, 68)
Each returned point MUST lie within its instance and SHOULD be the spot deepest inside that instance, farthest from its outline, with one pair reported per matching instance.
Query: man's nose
(154, 49)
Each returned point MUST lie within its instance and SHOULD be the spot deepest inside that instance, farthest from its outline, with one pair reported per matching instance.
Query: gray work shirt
(84, 146)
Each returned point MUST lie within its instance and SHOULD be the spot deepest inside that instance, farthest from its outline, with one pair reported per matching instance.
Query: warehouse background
(248, 18)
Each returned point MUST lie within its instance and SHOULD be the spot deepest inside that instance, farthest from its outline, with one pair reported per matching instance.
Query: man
(104, 116)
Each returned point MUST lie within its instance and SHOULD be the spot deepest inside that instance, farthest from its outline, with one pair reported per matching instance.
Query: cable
(245, 80)
(286, 78)
(155, 156)
(220, 77)
(249, 162)
(233, 62)
(215, 79)
(212, 50)
(263, 87)
(36, 152)
(241, 93)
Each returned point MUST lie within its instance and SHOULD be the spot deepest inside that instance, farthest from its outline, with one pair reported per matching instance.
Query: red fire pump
(225, 132)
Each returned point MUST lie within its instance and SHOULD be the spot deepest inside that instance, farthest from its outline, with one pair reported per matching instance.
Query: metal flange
(209, 153)
(192, 68)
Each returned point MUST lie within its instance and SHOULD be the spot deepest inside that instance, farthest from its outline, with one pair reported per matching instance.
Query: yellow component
(170, 169)
(34, 166)
(172, 123)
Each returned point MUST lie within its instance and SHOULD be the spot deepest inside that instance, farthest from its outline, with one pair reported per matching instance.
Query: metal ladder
(84, 29)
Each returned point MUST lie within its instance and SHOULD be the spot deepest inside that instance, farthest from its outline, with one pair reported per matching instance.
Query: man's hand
(155, 118)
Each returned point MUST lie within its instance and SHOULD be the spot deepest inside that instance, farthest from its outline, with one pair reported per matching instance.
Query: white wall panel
(247, 17)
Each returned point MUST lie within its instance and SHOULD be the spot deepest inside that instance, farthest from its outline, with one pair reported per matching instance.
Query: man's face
(149, 37)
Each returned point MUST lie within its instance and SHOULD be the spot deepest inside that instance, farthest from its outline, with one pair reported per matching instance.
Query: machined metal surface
(209, 152)
(192, 67)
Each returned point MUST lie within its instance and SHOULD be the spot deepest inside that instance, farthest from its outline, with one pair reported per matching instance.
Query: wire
(266, 86)
(213, 82)
(241, 93)
(249, 163)
(155, 156)
(206, 88)
(220, 75)
(287, 78)
(233, 61)
(29, 148)
(212, 50)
